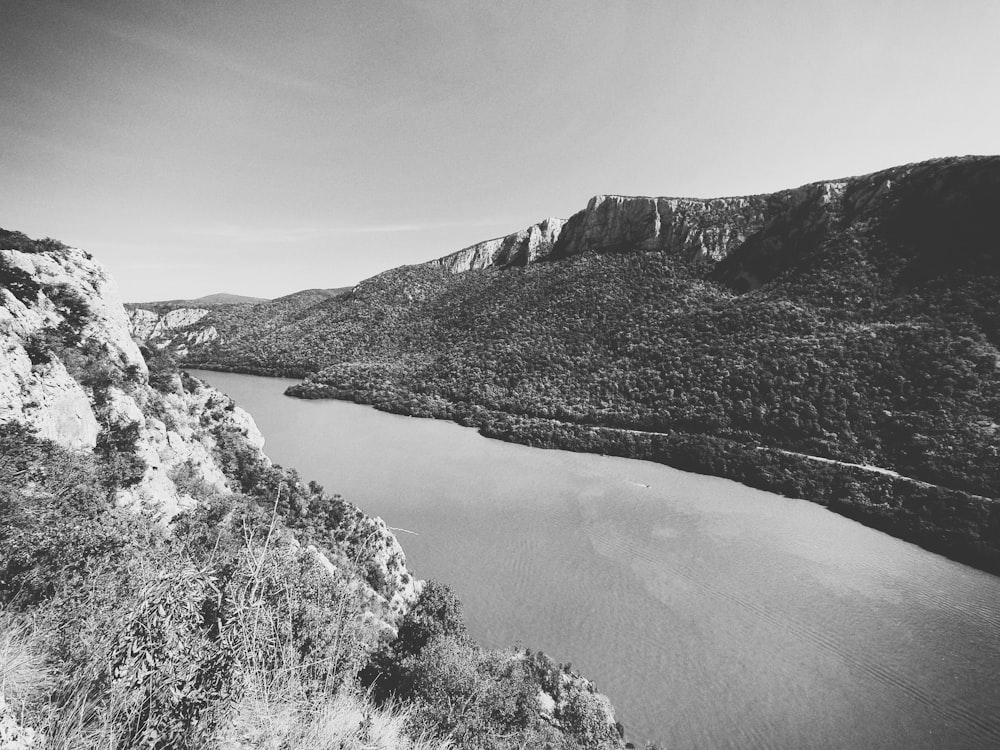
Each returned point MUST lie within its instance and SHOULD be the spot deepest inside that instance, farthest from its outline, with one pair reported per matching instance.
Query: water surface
(713, 615)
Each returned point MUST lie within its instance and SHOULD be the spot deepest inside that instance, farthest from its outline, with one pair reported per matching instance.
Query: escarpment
(72, 374)
(517, 249)
(694, 229)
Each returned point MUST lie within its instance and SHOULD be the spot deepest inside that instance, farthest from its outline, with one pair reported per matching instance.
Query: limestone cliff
(517, 249)
(693, 228)
(71, 371)
(762, 233)
(176, 327)
(45, 292)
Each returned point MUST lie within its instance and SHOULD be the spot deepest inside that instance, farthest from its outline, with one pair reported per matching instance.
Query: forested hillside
(836, 342)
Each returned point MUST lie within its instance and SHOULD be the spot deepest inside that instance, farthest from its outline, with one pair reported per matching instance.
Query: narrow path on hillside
(807, 456)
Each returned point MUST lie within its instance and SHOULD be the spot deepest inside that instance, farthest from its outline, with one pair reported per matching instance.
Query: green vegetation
(10, 240)
(860, 327)
(482, 699)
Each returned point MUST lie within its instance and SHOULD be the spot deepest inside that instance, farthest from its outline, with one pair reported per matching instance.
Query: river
(713, 615)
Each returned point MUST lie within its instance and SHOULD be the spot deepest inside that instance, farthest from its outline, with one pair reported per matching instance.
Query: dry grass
(23, 673)
(347, 721)
(142, 642)
(23, 678)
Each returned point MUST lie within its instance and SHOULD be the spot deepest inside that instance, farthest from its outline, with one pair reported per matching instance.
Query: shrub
(11, 240)
(56, 517)
(164, 374)
(20, 283)
(116, 447)
(436, 613)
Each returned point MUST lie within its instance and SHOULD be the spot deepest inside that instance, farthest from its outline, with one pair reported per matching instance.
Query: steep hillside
(162, 584)
(837, 342)
(176, 327)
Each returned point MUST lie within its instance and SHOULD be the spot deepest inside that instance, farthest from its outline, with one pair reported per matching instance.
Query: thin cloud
(176, 45)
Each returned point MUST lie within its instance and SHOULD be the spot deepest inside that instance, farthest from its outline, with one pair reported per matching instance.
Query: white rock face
(185, 445)
(688, 227)
(49, 398)
(517, 249)
(142, 323)
(45, 395)
(390, 562)
(610, 223)
(162, 329)
(62, 413)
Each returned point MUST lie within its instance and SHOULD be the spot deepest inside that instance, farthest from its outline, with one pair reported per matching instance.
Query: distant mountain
(313, 295)
(836, 341)
(222, 298)
(179, 327)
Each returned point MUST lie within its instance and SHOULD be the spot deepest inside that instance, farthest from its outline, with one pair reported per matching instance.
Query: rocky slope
(517, 249)
(176, 328)
(72, 372)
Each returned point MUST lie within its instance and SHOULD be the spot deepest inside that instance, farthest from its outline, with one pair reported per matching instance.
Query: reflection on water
(713, 615)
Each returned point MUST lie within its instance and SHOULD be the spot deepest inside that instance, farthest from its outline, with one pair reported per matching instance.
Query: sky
(263, 147)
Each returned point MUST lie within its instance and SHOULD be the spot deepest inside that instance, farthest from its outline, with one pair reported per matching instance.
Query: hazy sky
(266, 147)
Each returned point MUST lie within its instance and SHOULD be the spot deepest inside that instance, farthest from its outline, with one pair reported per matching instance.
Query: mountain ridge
(585, 227)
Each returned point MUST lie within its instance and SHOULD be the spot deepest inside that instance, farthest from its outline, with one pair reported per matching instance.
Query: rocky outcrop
(146, 323)
(517, 249)
(72, 372)
(176, 328)
(692, 228)
(64, 289)
(389, 581)
(695, 229)
(176, 442)
(748, 240)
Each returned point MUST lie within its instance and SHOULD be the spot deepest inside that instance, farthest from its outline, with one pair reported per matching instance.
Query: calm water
(713, 615)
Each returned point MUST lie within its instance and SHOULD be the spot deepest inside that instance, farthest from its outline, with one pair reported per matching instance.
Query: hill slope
(836, 342)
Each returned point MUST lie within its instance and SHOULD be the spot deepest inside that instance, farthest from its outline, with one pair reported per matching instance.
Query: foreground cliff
(836, 341)
(164, 585)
